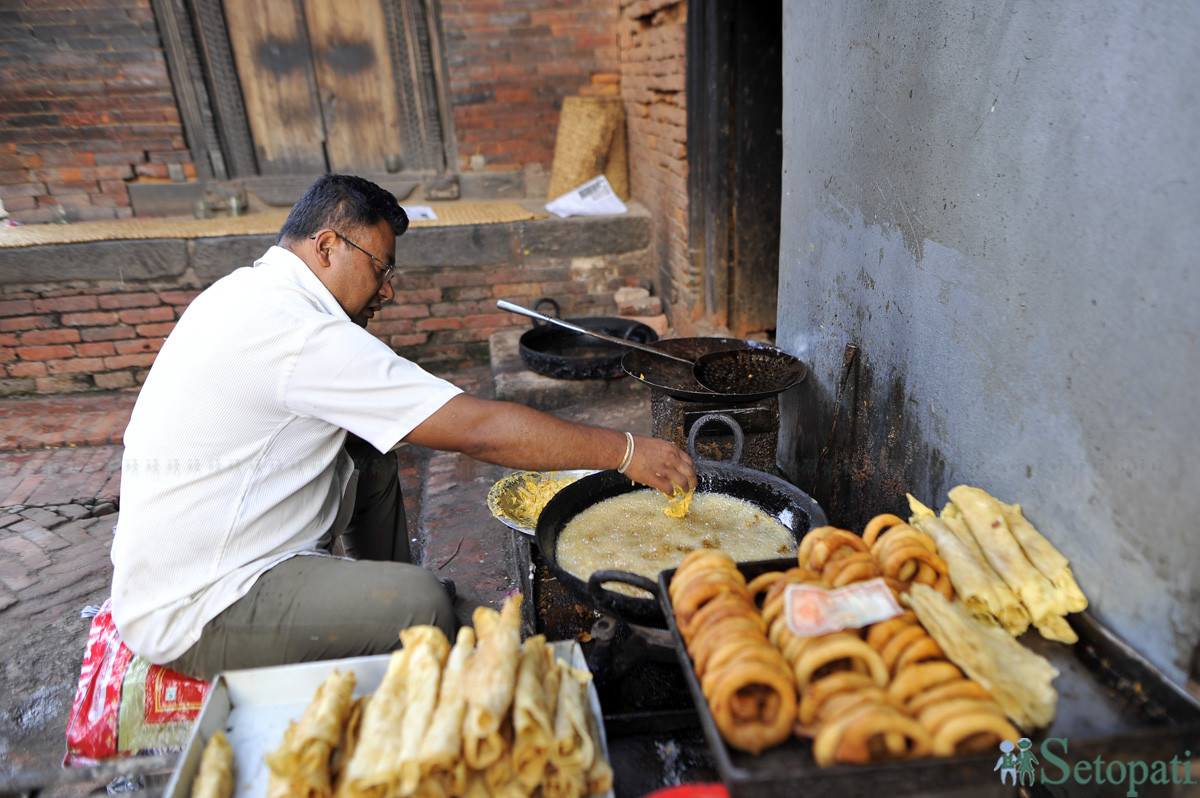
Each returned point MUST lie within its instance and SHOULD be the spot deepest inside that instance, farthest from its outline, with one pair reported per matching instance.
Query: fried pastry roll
(1019, 680)
(441, 748)
(490, 681)
(214, 779)
(301, 764)
(1045, 557)
(428, 649)
(374, 770)
(533, 725)
(573, 749)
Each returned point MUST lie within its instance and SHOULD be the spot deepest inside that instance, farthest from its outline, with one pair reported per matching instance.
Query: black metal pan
(775, 497)
(554, 351)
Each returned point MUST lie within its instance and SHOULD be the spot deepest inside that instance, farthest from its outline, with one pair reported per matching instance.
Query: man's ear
(322, 244)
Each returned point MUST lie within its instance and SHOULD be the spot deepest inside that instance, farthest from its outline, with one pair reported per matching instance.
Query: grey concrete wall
(999, 204)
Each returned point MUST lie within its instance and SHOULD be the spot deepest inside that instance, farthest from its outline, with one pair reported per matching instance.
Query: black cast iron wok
(777, 498)
(771, 371)
(554, 351)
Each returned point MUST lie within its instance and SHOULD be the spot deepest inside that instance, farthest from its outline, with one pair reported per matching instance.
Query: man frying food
(264, 432)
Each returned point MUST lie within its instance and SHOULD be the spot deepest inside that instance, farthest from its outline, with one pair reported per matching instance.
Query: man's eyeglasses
(388, 269)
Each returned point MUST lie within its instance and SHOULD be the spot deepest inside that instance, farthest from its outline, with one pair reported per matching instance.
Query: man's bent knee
(428, 602)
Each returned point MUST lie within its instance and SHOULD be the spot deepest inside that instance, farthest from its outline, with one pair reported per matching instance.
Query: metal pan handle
(598, 578)
(739, 438)
(557, 313)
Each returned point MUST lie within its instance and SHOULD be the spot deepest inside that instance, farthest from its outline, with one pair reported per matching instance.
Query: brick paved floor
(60, 464)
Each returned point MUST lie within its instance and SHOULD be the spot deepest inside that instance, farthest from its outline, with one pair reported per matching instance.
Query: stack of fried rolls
(1007, 572)
(744, 679)
(885, 692)
(488, 716)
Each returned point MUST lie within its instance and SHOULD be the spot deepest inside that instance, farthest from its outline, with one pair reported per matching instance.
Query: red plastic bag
(125, 705)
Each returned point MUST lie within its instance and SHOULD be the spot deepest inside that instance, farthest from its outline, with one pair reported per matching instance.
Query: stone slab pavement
(60, 460)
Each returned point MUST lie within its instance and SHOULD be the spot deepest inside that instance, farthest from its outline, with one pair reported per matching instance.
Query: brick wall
(653, 36)
(86, 102)
(77, 333)
(62, 340)
(85, 105)
(509, 67)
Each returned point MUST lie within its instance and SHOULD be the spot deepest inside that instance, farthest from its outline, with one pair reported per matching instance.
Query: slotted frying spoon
(731, 371)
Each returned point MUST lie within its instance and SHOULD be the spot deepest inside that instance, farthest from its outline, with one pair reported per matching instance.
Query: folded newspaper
(418, 213)
(594, 198)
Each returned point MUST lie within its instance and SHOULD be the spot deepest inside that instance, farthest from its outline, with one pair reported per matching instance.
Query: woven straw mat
(252, 224)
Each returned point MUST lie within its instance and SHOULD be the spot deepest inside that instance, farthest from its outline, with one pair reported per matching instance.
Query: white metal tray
(253, 708)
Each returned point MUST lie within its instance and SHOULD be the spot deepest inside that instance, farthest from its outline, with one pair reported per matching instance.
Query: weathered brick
(131, 300)
(495, 321)
(52, 336)
(128, 361)
(16, 307)
(138, 345)
(155, 330)
(408, 312)
(25, 323)
(75, 365)
(64, 304)
(113, 333)
(431, 325)
(112, 380)
(415, 339)
(74, 531)
(14, 575)
(35, 369)
(45, 352)
(46, 540)
(29, 554)
(144, 315)
(382, 329)
(516, 290)
(177, 298)
(99, 349)
(92, 319)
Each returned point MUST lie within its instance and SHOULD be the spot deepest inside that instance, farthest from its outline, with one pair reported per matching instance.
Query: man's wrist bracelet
(628, 453)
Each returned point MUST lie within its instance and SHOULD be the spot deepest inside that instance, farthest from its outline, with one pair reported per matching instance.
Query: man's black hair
(342, 202)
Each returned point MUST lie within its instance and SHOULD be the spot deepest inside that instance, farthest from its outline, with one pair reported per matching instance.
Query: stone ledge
(212, 257)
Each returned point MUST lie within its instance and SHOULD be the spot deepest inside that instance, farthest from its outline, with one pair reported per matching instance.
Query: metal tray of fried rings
(1112, 704)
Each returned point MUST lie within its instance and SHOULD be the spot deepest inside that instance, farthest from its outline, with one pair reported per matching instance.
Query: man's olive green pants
(316, 607)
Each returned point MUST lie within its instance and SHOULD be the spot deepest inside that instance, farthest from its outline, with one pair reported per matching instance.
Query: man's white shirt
(234, 455)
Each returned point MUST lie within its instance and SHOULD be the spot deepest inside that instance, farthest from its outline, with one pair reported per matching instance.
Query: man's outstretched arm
(513, 435)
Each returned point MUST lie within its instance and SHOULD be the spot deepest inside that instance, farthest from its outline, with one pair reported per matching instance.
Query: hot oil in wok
(630, 533)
